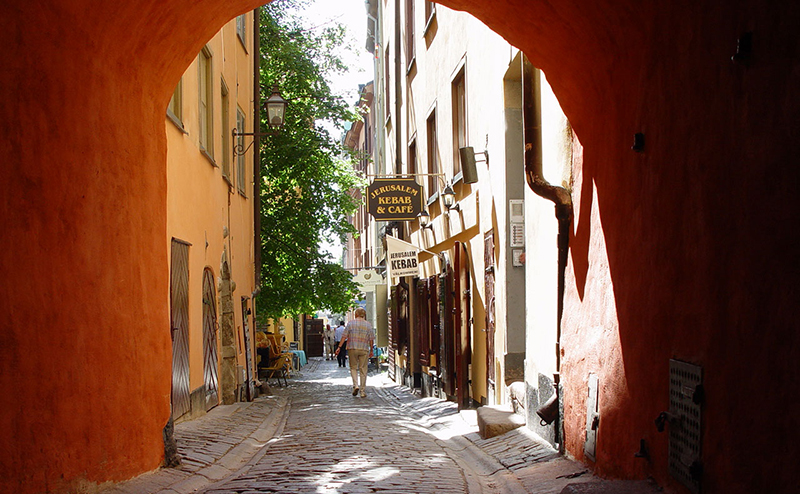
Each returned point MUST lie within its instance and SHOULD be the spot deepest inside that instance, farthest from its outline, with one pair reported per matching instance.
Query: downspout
(397, 88)
(256, 154)
(560, 196)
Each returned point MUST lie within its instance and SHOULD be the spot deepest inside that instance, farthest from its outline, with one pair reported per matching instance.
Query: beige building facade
(448, 110)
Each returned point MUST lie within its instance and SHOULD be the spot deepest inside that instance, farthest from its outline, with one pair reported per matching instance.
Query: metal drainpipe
(558, 195)
(256, 152)
(397, 88)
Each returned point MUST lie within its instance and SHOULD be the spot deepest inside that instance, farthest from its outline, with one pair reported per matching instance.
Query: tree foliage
(307, 175)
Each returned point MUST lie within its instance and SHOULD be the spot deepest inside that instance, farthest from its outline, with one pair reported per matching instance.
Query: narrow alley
(314, 436)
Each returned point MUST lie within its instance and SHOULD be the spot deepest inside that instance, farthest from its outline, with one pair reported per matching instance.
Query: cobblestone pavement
(335, 442)
(314, 436)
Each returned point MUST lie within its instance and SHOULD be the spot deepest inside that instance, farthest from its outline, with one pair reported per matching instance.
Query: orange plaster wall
(698, 229)
(85, 356)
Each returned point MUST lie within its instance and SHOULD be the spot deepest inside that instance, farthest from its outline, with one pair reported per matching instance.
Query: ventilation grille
(685, 400)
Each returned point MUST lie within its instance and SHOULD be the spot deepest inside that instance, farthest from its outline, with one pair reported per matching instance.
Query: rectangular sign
(398, 199)
(401, 258)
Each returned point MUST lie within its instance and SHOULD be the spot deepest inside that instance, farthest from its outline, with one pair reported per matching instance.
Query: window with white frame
(433, 159)
(241, 29)
(226, 132)
(459, 95)
(206, 103)
(410, 49)
(175, 107)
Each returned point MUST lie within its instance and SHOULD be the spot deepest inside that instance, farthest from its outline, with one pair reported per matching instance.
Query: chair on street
(279, 367)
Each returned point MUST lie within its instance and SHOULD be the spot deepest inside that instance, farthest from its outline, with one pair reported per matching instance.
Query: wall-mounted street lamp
(449, 198)
(276, 112)
(424, 220)
(276, 108)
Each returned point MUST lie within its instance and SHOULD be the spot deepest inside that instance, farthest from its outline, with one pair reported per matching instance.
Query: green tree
(307, 175)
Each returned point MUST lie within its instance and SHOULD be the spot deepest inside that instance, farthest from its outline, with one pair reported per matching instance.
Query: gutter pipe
(562, 199)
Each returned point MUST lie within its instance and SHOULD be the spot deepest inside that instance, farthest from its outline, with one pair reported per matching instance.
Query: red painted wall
(698, 228)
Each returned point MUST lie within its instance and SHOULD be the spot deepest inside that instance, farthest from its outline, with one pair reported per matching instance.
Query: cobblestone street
(314, 436)
(335, 442)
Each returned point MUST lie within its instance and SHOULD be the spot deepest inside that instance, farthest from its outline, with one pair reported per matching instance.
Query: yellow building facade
(210, 224)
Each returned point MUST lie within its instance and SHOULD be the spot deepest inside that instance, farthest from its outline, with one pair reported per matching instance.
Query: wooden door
(392, 322)
(313, 337)
(423, 322)
(210, 359)
(248, 351)
(433, 321)
(179, 323)
(462, 325)
(448, 347)
(488, 280)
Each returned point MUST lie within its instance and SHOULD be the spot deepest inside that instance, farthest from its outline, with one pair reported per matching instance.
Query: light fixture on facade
(276, 112)
(449, 198)
(424, 220)
(276, 108)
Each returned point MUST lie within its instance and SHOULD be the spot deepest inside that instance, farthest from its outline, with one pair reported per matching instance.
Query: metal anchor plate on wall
(685, 402)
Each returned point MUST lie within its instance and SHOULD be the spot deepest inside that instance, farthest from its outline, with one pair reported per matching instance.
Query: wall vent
(685, 401)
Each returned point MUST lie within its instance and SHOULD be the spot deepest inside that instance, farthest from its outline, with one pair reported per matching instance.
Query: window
(430, 13)
(410, 53)
(226, 133)
(175, 107)
(459, 119)
(433, 162)
(241, 29)
(387, 78)
(241, 163)
(412, 157)
(206, 107)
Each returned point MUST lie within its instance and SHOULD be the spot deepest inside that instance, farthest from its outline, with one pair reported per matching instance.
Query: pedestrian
(328, 342)
(341, 357)
(359, 337)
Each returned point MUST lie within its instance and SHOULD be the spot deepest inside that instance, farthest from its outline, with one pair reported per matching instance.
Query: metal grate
(685, 400)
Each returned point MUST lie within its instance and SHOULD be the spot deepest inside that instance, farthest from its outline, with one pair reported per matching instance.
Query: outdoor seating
(279, 367)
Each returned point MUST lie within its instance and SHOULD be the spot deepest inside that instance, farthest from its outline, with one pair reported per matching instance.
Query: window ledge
(411, 65)
(176, 122)
(429, 22)
(433, 198)
(209, 157)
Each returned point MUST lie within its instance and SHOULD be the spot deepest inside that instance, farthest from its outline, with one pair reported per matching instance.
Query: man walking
(341, 357)
(359, 337)
(328, 342)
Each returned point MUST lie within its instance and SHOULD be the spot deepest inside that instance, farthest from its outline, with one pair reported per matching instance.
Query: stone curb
(192, 475)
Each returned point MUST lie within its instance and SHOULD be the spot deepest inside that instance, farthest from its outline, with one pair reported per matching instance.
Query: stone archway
(83, 204)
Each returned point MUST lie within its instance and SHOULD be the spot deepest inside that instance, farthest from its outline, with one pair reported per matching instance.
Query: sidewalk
(232, 438)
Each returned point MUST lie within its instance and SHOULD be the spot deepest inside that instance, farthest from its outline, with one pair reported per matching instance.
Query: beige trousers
(359, 359)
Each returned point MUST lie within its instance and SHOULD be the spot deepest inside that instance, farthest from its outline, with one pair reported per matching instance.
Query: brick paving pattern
(314, 436)
(334, 442)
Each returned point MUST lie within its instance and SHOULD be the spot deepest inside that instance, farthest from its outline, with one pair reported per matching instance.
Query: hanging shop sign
(398, 199)
(368, 279)
(401, 258)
